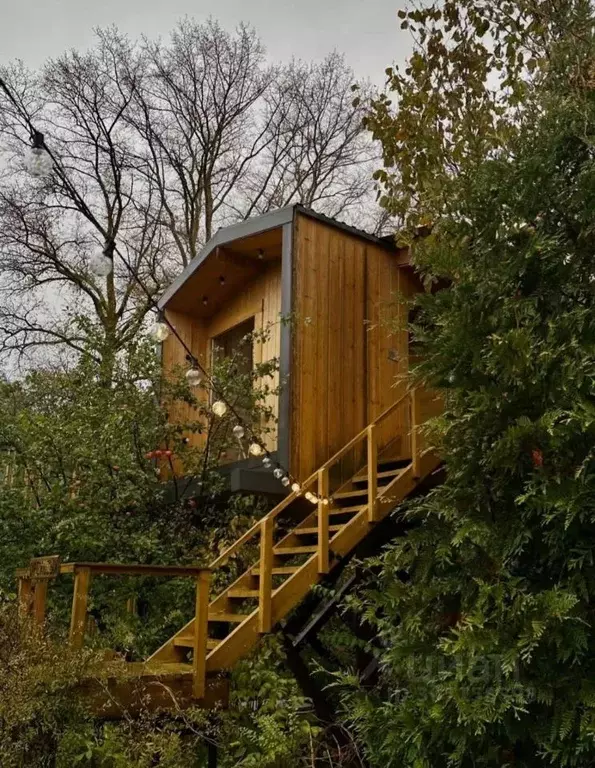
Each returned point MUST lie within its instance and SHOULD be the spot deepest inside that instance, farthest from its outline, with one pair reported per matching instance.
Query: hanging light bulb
(278, 473)
(37, 159)
(267, 462)
(255, 449)
(160, 331)
(311, 497)
(193, 377)
(219, 408)
(326, 502)
(285, 481)
(238, 431)
(100, 264)
(296, 488)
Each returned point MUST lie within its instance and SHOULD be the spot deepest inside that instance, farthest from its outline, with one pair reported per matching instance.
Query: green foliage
(477, 66)
(484, 610)
(269, 724)
(37, 706)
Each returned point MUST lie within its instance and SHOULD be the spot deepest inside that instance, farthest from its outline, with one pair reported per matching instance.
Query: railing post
(201, 632)
(323, 515)
(80, 599)
(40, 592)
(265, 590)
(415, 444)
(372, 472)
(25, 596)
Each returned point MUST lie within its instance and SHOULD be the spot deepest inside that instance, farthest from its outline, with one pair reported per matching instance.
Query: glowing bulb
(285, 481)
(219, 408)
(193, 377)
(278, 474)
(296, 488)
(38, 162)
(160, 332)
(238, 431)
(100, 264)
(267, 462)
(326, 502)
(311, 498)
(255, 450)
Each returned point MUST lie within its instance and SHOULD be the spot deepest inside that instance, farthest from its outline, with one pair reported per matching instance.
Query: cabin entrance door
(233, 361)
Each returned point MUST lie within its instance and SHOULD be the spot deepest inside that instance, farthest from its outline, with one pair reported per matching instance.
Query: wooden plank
(201, 633)
(286, 551)
(40, 591)
(415, 422)
(372, 472)
(323, 524)
(80, 597)
(44, 567)
(134, 569)
(25, 597)
(266, 578)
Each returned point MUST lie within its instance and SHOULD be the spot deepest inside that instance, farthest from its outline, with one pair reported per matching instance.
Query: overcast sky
(367, 31)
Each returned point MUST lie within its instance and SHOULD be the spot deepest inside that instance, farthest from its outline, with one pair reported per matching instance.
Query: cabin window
(235, 347)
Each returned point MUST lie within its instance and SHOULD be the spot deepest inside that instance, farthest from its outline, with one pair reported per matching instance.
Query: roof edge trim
(252, 226)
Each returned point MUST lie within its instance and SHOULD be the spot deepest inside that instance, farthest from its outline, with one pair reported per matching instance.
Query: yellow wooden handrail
(256, 528)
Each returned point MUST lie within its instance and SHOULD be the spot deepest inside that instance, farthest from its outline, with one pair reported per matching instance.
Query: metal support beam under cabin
(284, 426)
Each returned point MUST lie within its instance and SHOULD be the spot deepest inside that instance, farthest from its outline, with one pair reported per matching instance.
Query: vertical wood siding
(344, 374)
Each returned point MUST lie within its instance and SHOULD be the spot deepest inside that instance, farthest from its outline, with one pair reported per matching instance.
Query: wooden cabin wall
(261, 299)
(344, 373)
(173, 356)
(388, 288)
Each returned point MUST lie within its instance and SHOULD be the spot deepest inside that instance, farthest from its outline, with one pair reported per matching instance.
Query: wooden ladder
(289, 565)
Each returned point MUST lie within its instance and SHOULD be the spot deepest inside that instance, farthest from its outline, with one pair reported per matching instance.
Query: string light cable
(41, 161)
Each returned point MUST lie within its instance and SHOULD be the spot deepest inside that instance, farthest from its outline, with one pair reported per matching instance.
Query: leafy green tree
(484, 611)
(475, 70)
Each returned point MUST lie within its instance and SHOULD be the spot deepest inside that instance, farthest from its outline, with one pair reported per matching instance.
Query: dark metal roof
(387, 241)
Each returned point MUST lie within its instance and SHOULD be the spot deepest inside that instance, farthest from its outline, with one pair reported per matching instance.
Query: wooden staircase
(286, 565)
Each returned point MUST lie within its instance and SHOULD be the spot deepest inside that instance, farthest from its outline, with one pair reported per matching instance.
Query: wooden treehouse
(348, 428)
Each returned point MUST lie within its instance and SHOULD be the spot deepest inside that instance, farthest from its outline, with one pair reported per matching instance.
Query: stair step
(241, 593)
(345, 510)
(356, 492)
(187, 641)
(295, 550)
(280, 570)
(237, 618)
(380, 475)
(304, 531)
(393, 463)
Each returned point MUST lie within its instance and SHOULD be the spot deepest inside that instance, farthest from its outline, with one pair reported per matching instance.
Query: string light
(238, 431)
(219, 408)
(296, 488)
(268, 462)
(285, 481)
(311, 497)
(100, 264)
(278, 473)
(37, 160)
(255, 449)
(193, 377)
(160, 331)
